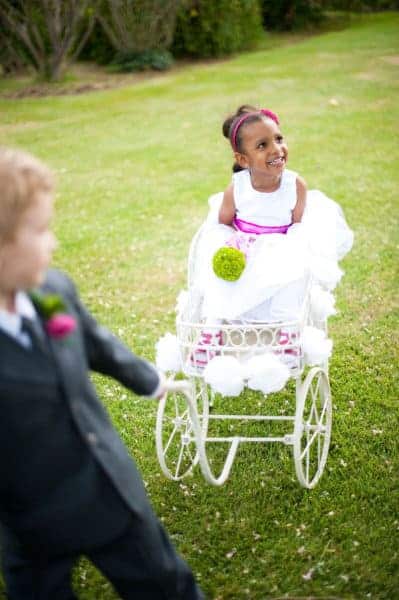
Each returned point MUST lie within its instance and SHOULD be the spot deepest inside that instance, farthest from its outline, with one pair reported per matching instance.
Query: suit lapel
(65, 361)
(22, 364)
(38, 335)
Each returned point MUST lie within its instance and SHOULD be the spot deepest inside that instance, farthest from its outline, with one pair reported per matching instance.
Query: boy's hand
(170, 385)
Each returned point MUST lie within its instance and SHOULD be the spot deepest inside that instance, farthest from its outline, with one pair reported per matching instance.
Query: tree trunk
(51, 31)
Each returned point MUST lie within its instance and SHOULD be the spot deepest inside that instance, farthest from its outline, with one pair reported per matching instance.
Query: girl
(283, 230)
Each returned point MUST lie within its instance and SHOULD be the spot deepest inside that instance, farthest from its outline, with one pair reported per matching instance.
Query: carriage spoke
(315, 396)
(183, 416)
(179, 461)
(323, 412)
(307, 461)
(316, 387)
(192, 458)
(312, 415)
(309, 441)
(172, 435)
(318, 450)
(177, 410)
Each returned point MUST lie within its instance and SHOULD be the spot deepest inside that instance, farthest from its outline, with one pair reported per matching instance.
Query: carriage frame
(187, 409)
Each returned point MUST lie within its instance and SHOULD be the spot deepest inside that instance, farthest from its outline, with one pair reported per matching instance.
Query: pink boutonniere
(60, 325)
(57, 322)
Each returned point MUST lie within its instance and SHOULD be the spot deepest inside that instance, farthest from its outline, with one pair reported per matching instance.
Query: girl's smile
(277, 162)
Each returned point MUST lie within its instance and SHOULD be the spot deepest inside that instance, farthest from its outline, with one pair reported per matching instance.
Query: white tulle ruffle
(322, 303)
(168, 357)
(316, 346)
(264, 373)
(225, 375)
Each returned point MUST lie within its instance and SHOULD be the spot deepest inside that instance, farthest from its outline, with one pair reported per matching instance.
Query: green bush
(139, 25)
(206, 28)
(133, 35)
(363, 5)
(157, 60)
(291, 14)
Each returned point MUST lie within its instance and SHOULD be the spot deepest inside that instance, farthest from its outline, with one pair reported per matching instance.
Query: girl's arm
(301, 190)
(227, 210)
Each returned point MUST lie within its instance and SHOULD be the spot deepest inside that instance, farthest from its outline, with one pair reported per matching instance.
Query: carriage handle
(183, 385)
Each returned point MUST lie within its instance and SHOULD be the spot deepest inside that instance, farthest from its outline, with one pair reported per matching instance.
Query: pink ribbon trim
(247, 227)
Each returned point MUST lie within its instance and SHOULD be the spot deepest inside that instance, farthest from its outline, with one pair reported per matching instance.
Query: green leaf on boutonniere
(47, 304)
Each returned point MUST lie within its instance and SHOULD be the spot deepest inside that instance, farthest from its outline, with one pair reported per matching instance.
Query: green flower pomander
(228, 263)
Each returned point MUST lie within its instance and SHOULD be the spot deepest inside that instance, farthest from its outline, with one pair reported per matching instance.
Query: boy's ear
(241, 159)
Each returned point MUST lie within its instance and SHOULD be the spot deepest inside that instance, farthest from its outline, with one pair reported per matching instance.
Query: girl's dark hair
(229, 123)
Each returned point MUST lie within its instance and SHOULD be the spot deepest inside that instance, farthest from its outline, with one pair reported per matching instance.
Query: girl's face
(264, 151)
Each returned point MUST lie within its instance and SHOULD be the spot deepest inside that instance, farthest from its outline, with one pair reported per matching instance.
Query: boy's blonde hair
(22, 177)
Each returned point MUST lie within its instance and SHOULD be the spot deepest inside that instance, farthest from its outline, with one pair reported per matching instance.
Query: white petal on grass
(308, 576)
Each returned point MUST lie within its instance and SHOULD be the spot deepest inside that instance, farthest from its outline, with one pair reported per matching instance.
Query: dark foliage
(287, 15)
(363, 5)
(139, 25)
(98, 48)
(157, 60)
(206, 28)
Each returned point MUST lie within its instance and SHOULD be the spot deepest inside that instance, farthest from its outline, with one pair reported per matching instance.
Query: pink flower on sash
(242, 242)
(60, 325)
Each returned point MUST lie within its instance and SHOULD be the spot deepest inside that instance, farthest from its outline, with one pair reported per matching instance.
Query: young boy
(67, 484)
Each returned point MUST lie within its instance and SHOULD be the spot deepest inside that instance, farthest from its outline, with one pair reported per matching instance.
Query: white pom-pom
(317, 348)
(182, 301)
(168, 357)
(266, 373)
(322, 303)
(223, 373)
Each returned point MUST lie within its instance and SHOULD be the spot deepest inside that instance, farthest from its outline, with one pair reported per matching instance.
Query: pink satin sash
(247, 227)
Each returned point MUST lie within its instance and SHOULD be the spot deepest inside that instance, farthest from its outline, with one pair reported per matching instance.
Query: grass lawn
(135, 166)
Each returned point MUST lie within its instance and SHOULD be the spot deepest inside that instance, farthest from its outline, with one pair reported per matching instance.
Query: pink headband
(263, 111)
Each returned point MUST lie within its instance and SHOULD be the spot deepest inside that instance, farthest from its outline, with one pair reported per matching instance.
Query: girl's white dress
(272, 285)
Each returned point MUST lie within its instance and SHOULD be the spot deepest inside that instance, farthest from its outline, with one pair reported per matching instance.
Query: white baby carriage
(192, 419)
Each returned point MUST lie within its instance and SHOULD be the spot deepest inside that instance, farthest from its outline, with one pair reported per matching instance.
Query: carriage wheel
(312, 430)
(175, 437)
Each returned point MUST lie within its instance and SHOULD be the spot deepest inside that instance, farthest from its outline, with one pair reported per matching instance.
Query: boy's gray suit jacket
(66, 479)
